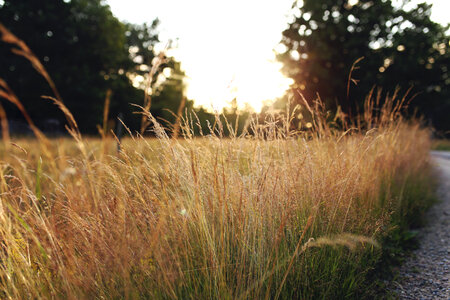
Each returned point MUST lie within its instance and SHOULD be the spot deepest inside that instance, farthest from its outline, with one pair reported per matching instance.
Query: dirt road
(426, 274)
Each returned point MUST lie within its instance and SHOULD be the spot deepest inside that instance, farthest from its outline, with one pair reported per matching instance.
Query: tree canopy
(400, 47)
(86, 50)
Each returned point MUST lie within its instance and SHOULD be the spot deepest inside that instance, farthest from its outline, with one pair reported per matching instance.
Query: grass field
(282, 216)
(271, 213)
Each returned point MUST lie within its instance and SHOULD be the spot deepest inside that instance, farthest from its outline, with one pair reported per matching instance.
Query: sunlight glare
(225, 47)
(253, 84)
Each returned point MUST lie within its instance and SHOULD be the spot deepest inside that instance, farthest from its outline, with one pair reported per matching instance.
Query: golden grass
(204, 217)
(273, 213)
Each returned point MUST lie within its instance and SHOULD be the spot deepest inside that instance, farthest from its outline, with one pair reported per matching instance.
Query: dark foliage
(86, 51)
(400, 47)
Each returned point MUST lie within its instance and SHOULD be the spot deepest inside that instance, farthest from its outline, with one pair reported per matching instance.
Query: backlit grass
(207, 217)
(284, 209)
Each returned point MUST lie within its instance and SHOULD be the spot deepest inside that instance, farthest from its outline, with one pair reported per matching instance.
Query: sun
(253, 83)
(260, 83)
(225, 48)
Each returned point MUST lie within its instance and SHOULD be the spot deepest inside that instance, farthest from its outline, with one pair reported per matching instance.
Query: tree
(86, 51)
(400, 47)
(168, 97)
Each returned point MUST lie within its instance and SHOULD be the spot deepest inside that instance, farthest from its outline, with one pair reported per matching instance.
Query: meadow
(285, 209)
(272, 214)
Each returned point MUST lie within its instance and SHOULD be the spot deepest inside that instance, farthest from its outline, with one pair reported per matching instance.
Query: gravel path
(426, 274)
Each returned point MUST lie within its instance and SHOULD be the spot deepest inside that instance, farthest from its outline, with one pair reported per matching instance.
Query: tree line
(92, 56)
(395, 48)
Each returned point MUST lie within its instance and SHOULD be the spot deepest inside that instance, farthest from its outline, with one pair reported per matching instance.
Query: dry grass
(273, 213)
(205, 217)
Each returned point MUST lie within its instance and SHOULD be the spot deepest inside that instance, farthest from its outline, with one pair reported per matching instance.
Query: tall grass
(271, 213)
(205, 217)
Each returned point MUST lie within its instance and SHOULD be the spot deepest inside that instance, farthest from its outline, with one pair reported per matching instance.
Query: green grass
(441, 145)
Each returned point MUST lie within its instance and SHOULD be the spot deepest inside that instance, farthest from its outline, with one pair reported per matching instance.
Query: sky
(227, 48)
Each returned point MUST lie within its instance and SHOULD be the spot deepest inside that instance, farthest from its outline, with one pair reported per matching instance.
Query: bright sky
(227, 47)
